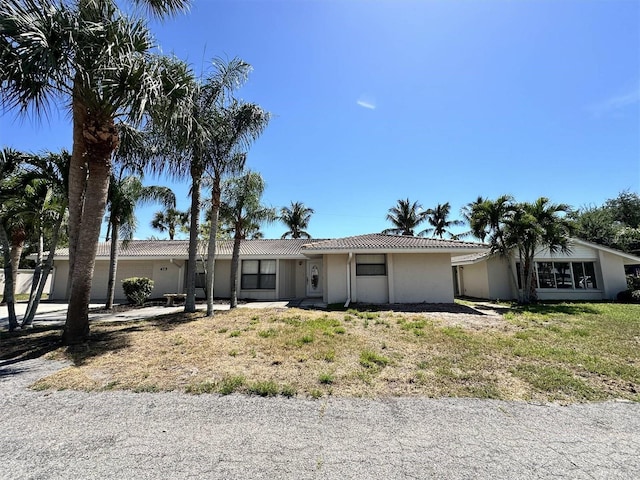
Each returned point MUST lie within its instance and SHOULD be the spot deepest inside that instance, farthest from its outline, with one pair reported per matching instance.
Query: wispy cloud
(365, 101)
(615, 103)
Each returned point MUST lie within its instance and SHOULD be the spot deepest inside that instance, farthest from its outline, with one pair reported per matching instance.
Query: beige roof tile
(380, 241)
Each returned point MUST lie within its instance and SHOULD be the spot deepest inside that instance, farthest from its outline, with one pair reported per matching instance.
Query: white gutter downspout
(348, 280)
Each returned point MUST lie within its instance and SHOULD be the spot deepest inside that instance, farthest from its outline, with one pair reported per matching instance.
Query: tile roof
(286, 247)
(380, 241)
(179, 248)
(471, 258)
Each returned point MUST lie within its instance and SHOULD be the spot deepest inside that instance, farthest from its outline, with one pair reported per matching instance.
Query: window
(565, 275)
(584, 274)
(258, 275)
(370, 265)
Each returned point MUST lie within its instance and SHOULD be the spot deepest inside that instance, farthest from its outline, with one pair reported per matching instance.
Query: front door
(314, 277)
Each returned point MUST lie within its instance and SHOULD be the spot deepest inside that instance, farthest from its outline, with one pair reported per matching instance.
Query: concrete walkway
(52, 313)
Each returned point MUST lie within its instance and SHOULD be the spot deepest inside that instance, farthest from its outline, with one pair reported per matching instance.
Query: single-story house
(588, 271)
(373, 268)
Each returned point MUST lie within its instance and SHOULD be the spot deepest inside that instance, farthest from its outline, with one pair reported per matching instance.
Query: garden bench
(172, 296)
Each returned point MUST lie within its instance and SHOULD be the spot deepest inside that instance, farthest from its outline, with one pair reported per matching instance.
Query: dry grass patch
(559, 354)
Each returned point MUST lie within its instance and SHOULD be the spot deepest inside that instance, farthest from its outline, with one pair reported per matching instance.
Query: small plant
(267, 333)
(137, 289)
(316, 393)
(235, 333)
(288, 391)
(306, 339)
(223, 330)
(340, 330)
(369, 359)
(202, 387)
(233, 353)
(326, 379)
(329, 356)
(264, 389)
(228, 385)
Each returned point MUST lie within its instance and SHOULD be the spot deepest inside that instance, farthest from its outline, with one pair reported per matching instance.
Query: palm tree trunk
(234, 269)
(99, 141)
(77, 184)
(190, 300)
(113, 263)
(8, 282)
(211, 251)
(46, 269)
(37, 273)
(17, 246)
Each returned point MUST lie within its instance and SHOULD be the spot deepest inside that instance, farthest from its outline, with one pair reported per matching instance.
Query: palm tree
(241, 209)
(53, 169)
(405, 217)
(524, 228)
(169, 220)
(92, 57)
(296, 219)
(125, 193)
(438, 219)
(205, 138)
(467, 217)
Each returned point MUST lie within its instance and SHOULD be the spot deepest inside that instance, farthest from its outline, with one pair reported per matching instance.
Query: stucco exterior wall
(335, 284)
(502, 284)
(374, 289)
(421, 277)
(612, 271)
(474, 280)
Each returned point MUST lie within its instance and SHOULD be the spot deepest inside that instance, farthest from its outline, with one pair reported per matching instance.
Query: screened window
(566, 275)
(371, 265)
(258, 275)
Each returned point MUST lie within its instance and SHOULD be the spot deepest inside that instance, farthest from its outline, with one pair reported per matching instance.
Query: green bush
(137, 289)
(635, 296)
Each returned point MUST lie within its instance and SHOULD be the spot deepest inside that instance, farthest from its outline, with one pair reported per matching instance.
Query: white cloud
(615, 103)
(366, 102)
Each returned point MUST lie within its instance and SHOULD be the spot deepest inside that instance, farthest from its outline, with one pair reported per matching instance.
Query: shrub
(624, 296)
(635, 296)
(137, 289)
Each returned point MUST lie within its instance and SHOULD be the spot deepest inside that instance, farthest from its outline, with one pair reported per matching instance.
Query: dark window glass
(546, 277)
(258, 275)
(563, 274)
(371, 265)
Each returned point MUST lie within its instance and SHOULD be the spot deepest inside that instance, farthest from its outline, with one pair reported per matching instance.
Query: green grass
(563, 352)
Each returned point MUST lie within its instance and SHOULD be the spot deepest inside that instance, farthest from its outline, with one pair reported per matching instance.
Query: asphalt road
(122, 435)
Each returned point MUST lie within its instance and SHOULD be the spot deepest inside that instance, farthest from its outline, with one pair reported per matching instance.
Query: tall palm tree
(242, 210)
(296, 219)
(169, 220)
(440, 224)
(90, 56)
(204, 140)
(405, 216)
(125, 193)
(238, 125)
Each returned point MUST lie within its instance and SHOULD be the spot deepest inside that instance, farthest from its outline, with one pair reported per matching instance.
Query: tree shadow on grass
(29, 344)
(171, 321)
(555, 308)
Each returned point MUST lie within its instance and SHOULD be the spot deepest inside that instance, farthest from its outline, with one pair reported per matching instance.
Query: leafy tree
(92, 57)
(595, 224)
(438, 218)
(405, 217)
(625, 208)
(242, 210)
(125, 193)
(296, 218)
(169, 220)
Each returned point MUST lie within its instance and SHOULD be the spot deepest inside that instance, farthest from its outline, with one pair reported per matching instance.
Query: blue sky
(436, 101)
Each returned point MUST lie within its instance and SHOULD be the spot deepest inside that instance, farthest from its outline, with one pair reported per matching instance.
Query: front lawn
(561, 352)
